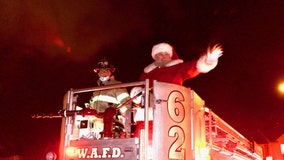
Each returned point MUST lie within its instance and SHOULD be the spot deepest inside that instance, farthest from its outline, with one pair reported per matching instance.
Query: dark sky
(48, 47)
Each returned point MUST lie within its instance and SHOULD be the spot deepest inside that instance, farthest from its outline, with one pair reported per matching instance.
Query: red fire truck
(183, 129)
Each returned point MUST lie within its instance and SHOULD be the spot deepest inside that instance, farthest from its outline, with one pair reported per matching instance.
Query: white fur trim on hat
(162, 47)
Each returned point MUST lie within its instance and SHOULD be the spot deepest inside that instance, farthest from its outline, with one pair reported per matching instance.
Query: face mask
(103, 79)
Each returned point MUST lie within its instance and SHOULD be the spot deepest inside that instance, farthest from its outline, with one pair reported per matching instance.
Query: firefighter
(107, 101)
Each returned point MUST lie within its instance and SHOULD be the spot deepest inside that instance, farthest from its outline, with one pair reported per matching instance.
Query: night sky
(48, 47)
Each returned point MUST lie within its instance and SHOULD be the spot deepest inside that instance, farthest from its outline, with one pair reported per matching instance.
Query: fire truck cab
(183, 129)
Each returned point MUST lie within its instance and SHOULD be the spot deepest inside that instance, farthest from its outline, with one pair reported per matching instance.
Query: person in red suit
(168, 67)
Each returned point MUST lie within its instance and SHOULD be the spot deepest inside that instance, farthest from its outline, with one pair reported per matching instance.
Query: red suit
(175, 71)
(172, 73)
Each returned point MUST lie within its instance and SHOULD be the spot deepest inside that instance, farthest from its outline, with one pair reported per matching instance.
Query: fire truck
(182, 128)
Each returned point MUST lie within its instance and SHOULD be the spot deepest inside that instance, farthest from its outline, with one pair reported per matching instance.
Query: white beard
(152, 66)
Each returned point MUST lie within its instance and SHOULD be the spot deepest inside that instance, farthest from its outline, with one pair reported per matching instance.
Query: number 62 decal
(176, 112)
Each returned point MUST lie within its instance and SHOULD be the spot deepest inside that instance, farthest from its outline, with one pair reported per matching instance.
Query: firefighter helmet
(104, 64)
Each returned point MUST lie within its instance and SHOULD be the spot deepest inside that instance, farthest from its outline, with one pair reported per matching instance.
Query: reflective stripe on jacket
(107, 98)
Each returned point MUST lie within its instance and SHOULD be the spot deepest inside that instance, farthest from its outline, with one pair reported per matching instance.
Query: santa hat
(162, 48)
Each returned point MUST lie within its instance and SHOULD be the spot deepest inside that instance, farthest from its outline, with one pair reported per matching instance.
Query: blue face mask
(103, 79)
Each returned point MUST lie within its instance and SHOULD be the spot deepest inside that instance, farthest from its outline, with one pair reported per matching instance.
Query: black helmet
(104, 63)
